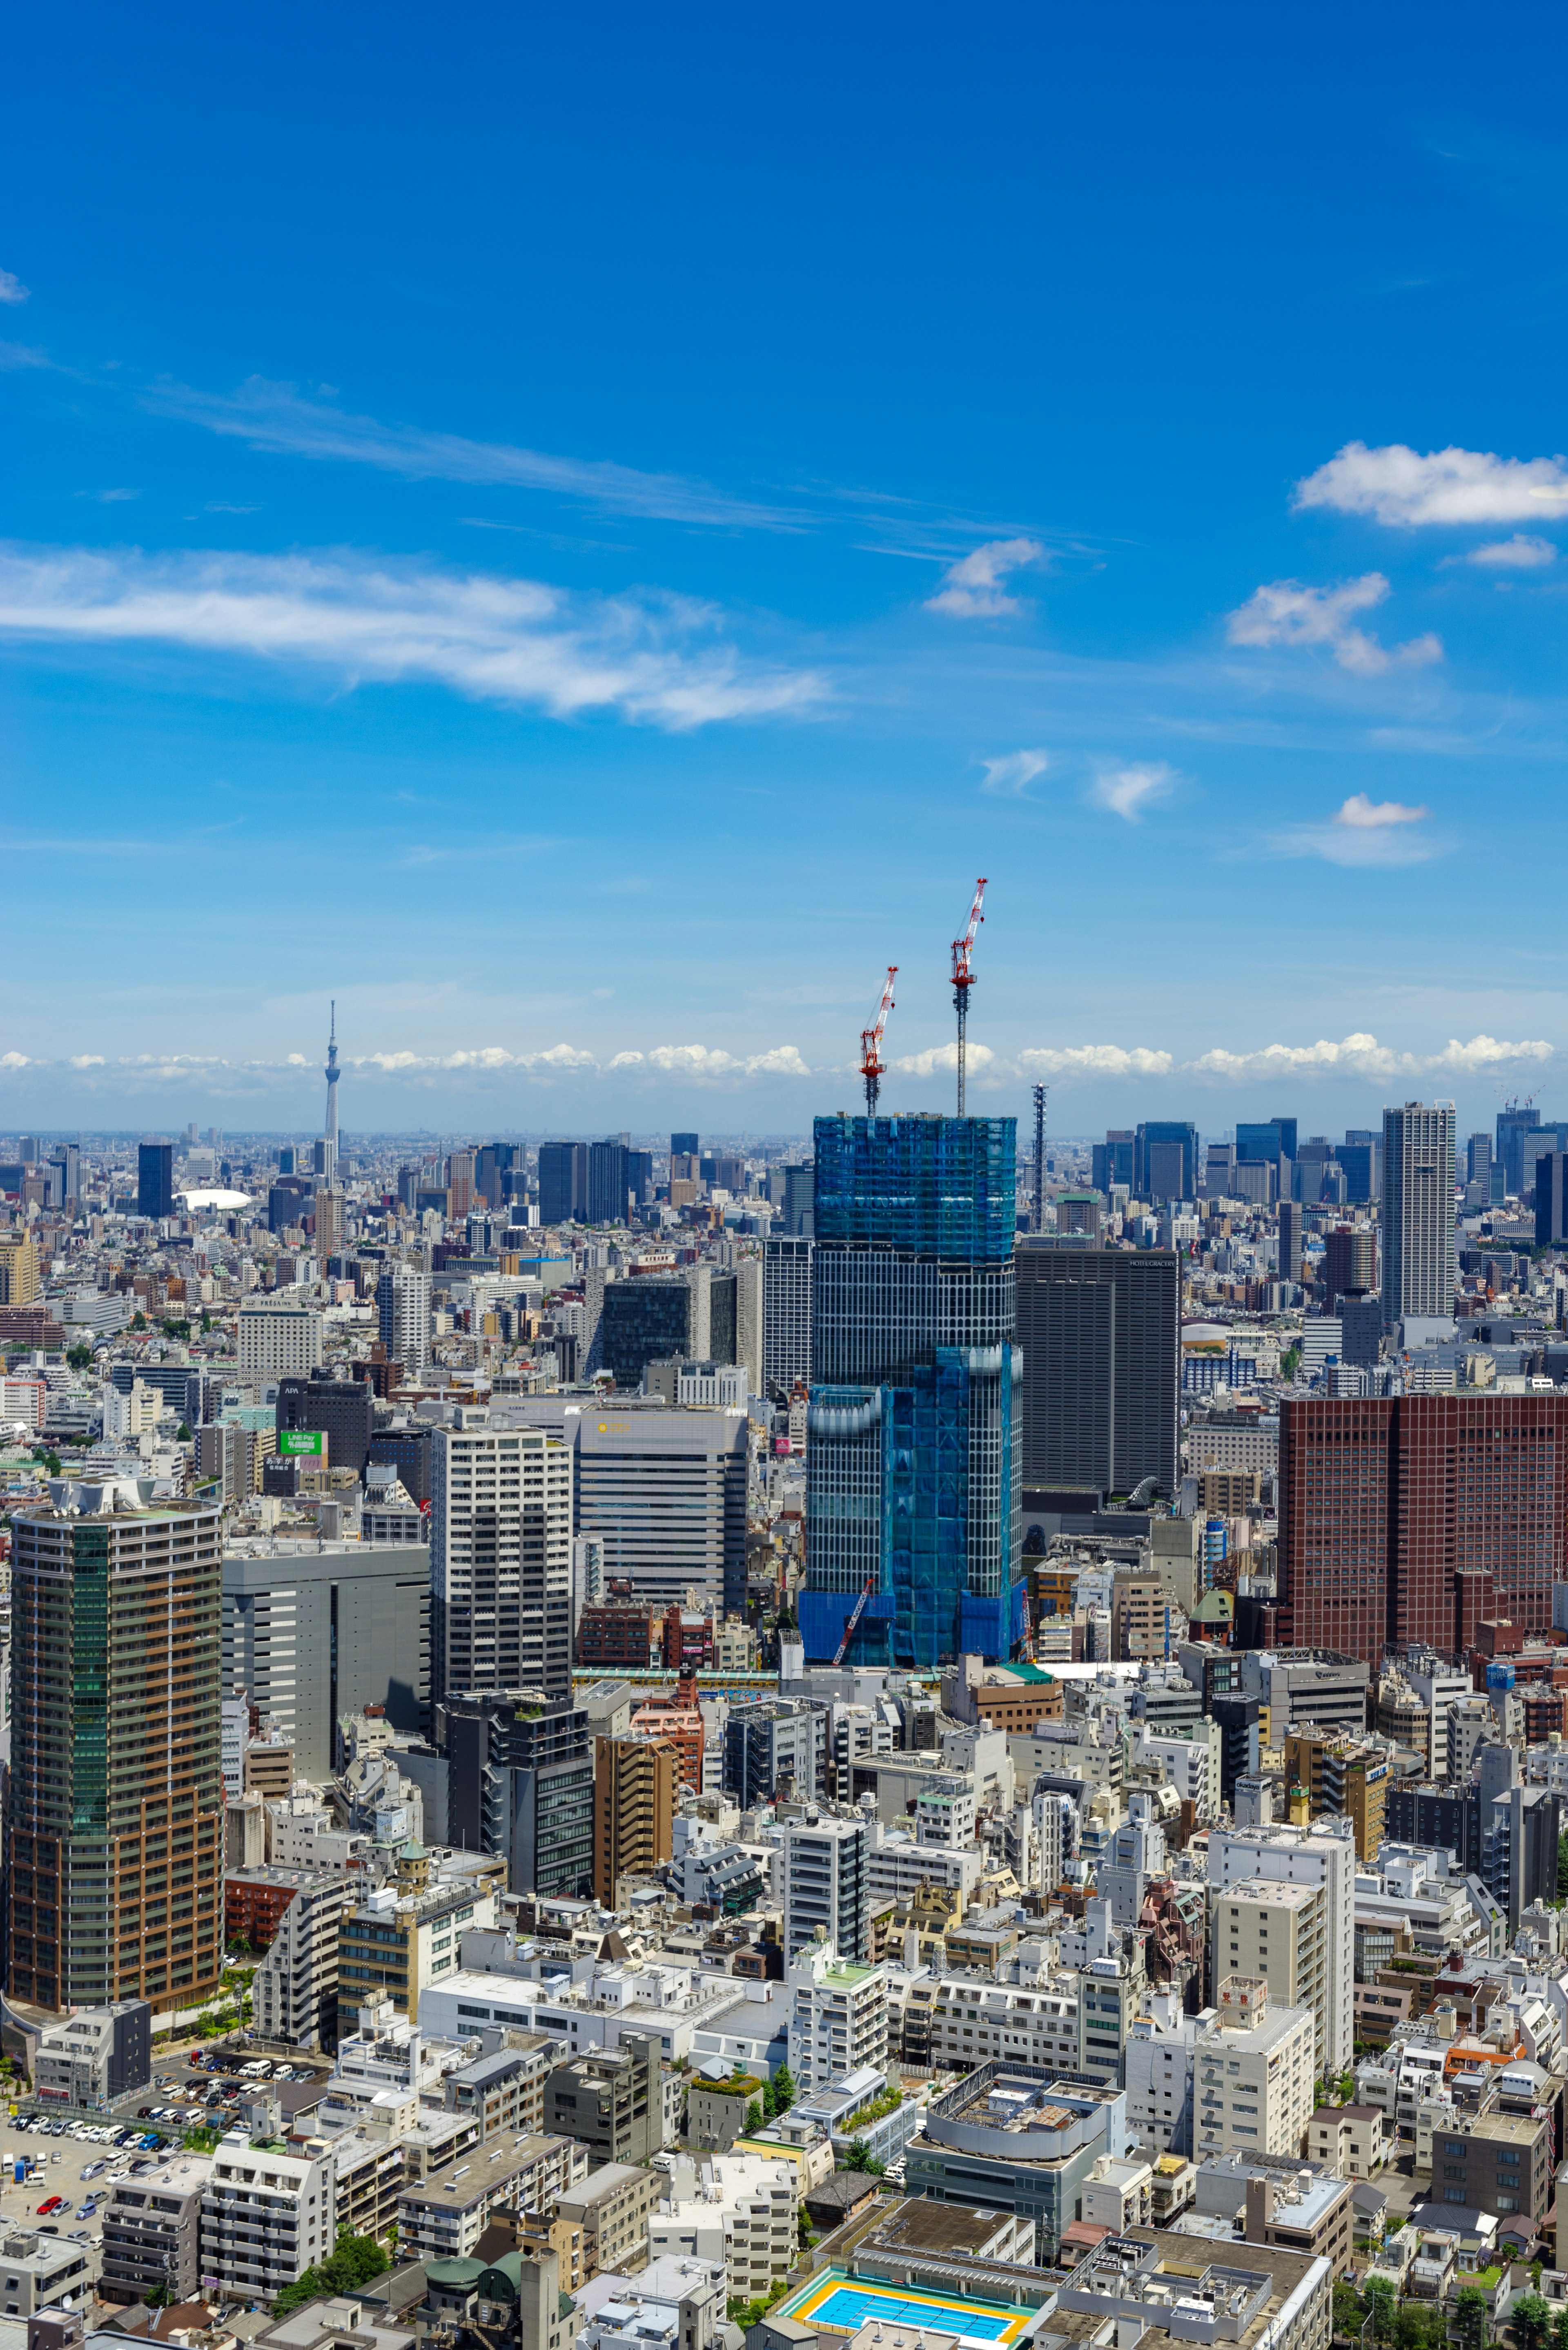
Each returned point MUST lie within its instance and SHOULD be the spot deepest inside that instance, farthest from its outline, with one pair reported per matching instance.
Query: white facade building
(501, 1559)
(266, 2217)
(837, 2016)
(1323, 1854)
(826, 1868)
(279, 1342)
(737, 2208)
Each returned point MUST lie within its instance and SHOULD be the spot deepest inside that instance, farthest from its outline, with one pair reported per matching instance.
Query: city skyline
(592, 655)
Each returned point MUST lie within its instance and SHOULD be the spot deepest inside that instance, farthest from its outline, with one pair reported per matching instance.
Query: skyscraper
(609, 1180)
(403, 1314)
(1290, 1229)
(563, 1181)
(913, 1469)
(1100, 1331)
(684, 1146)
(1552, 1199)
(1512, 1125)
(786, 1316)
(1349, 1262)
(501, 1560)
(1389, 1509)
(1165, 1160)
(117, 1810)
(154, 1179)
(1419, 1268)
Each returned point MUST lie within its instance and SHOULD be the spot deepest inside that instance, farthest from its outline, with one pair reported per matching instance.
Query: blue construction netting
(945, 1187)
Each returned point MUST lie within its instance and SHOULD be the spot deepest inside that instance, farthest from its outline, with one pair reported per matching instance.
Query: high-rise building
(1321, 1856)
(115, 1849)
(18, 1270)
(691, 1315)
(1165, 1159)
(1419, 1269)
(1349, 1262)
(685, 1146)
(343, 1410)
(461, 1170)
(315, 1630)
(1111, 1161)
(914, 1470)
(780, 1739)
(68, 1159)
(328, 1233)
(403, 1315)
(664, 1493)
(786, 1317)
(1360, 1156)
(494, 1164)
(279, 1342)
(1512, 1125)
(154, 1179)
(501, 1559)
(1100, 1331)
(563, 1182)
(1290, 1234)
(1266, 1141)
(1388, 1505)
(826, 1869)
(635, 1781)
(521, 1782)
(1552, 1199)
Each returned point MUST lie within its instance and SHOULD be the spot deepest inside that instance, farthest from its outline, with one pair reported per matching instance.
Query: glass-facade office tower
(1419, 1267)
(154, 1179)
(914, 1466)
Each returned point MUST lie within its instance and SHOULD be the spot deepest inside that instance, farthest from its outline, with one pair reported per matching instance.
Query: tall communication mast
(1040, 1158)
(873, 1068)
(963, 979)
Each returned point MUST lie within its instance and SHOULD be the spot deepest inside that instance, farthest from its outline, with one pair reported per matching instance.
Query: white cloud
(1362, 1055)
(1364, 814)
(86, 1060)
(493, 637)
(274, 417)
(1128, 791)
(14, 1061)
(1364, 832)
(972, 590)
(1398, 485)
(1015, 772)
(704, 1062)
(1519, 553)
(1286, 613)
(11, 287)
(1095, 1061)
(939, 1057)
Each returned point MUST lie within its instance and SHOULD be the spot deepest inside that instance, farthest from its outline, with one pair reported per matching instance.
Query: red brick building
(1411, 1518)
(253, 1901)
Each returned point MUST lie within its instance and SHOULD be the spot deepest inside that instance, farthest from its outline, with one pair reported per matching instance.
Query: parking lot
(65, 2160)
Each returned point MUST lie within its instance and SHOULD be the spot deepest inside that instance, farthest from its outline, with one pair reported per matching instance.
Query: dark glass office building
(1100, 1331)
(913, 1467)
(154, 1179)
(1165, 1160)
(563, 1181)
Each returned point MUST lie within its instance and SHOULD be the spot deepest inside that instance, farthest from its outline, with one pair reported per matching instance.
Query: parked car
(51, 2203)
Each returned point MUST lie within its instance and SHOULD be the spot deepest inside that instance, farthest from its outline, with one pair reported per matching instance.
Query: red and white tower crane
(963, 978)
(873, 1068)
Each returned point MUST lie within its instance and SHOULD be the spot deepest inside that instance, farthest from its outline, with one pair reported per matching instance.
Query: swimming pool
(847, 2306)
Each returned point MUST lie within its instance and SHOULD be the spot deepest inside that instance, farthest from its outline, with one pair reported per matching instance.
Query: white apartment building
(1274, 1933)
(279, 1342)
(1235, 2079)
(837, 2016)
(1322, 1854)
(1440, 1686)
(403, 1316)
(945, 1814)
(295, 1989)
(712, 1387)
(740, 2209)
(442, 2218)
(501, 1558)
(301, 1832)
(236, 1730)
(898, 1866)
(1191, 1766)
(826, 1868)
(970, 2021)
(266, 2217)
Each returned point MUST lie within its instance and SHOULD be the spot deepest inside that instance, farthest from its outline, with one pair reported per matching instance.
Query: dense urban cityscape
(586, 1716)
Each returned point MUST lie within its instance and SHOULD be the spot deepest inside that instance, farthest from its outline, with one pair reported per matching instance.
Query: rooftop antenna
(963, 979)
(873, 1068)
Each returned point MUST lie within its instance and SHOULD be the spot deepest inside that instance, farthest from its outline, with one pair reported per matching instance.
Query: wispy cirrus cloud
(1128, 791)
(973, 588)
(277, 419)
(1398, 485)
(489, 636)
(1365, 831)
(12, 288)
(1286, 613)
(1013, 773)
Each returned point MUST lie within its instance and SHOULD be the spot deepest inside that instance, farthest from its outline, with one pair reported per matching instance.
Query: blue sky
(581, 533)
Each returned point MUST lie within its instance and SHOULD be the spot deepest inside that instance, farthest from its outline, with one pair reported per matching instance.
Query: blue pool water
(850, 2305)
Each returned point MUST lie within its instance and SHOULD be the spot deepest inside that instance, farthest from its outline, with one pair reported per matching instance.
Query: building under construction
(914, 1467)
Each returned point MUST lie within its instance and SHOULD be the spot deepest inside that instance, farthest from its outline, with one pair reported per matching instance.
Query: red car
(53, 2203)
